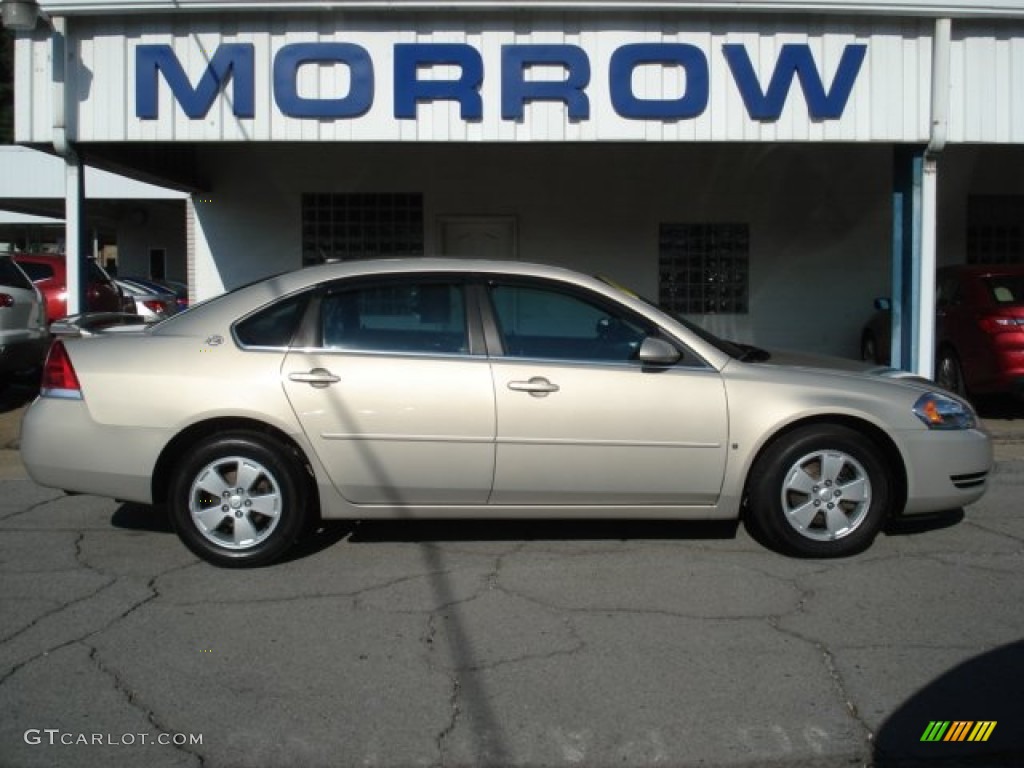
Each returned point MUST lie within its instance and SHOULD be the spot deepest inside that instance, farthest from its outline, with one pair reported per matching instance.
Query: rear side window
(272, 326)
(37, 271)
(13, 277)
(422, 317)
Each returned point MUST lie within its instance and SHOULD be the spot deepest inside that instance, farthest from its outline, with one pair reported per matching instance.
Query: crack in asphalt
(132, 699)
(31, 508)
(112, 580)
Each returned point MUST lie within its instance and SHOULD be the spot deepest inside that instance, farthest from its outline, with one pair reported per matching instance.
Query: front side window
(545, 323)
(423, 317)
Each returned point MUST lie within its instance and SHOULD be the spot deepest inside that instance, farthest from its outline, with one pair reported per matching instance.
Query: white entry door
(477, 237)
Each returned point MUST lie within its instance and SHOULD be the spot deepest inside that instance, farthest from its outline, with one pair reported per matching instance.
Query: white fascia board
(27, 174)
(930, 8)
(12, 217)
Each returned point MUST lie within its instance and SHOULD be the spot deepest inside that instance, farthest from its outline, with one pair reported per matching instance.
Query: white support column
(924, 352)
(74, 203)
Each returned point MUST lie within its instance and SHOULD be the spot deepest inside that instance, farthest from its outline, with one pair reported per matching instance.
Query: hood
(829, 364)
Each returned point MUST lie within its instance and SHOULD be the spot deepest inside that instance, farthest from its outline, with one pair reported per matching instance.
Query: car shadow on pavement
(155, 519)
(142, 517)
(914, 524)
(539, 530)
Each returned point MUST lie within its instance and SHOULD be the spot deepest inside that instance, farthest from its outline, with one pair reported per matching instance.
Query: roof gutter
(941, 44)
(924, 351)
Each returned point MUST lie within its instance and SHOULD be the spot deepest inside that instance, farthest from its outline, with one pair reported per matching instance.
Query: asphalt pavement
(509, 644)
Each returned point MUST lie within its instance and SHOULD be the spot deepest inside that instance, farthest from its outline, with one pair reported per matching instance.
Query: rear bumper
(946, 470)
(63, 447)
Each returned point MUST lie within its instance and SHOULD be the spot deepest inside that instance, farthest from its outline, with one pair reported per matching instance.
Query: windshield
(733, 349)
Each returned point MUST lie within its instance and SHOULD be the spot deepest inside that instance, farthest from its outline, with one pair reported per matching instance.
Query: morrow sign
(234, 65)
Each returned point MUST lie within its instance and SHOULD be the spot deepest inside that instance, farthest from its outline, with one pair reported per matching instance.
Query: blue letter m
(795, 59)
(232, 61)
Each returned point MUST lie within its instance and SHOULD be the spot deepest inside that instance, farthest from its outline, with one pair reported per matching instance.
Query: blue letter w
(795, 59)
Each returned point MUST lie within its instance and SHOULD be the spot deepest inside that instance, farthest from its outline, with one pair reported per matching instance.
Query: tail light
(6, 300)
(59, 377)
(996, 324)
(156, 306)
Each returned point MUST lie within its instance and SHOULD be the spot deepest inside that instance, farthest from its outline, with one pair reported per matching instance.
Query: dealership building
(764, 167)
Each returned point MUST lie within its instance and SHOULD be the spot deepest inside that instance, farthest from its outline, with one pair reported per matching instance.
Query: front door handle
(538, 386)
(318, 377)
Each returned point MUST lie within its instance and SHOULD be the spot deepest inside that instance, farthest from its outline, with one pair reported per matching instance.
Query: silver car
(431, 388)
(23, 329)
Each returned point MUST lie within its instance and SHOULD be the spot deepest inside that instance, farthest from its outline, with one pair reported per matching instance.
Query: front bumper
(946, 470)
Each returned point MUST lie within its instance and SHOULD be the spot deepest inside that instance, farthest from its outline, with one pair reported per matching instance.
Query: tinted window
(273, 326)
(420, 317)
(11, 276)
(36, 271)
(96, 273)
(1006, 289)
(546, 323)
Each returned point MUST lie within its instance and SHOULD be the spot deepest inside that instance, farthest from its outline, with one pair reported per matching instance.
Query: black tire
(949, 374)
(233, 522)
(819, 491)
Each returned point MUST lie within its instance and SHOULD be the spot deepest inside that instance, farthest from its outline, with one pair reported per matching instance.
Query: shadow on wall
(986, 689)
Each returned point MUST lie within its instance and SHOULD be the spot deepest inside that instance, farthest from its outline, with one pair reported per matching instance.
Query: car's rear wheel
(820, 491)
(948, 372)
(237, 500)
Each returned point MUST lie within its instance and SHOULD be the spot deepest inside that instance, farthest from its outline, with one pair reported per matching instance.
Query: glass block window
(704, 268)
(995, 229)
(361, 226)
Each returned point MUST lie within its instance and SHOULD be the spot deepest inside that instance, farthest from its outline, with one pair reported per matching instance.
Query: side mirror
(655, 351)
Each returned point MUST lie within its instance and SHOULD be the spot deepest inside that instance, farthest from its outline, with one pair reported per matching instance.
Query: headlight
(941, 412)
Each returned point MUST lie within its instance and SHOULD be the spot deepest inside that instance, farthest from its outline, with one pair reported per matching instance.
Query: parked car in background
(979, 330)
(180, 290)
(23, 335)
(151, 302)
(49, 272)
(425, 388)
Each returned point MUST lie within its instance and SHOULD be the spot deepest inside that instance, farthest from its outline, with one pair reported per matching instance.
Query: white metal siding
(889, 101)
(987, 83)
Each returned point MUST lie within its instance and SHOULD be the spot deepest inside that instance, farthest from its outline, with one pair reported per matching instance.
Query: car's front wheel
(820, 491)
(237, 500)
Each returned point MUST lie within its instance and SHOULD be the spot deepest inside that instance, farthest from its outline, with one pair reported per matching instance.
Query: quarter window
(273, 326)
(548, 324)
(423, 317)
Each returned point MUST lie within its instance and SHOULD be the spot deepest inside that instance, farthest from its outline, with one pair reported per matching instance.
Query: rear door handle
(537, 386)
(318, 377)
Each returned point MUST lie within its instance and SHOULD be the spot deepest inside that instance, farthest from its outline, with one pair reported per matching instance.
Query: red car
(49, 272)
(979, 330)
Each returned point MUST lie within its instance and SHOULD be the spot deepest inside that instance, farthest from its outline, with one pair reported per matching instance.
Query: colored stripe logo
(958, 730)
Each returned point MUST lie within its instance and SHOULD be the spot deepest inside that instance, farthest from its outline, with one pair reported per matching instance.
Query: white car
(23, 328)
(463, 389)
